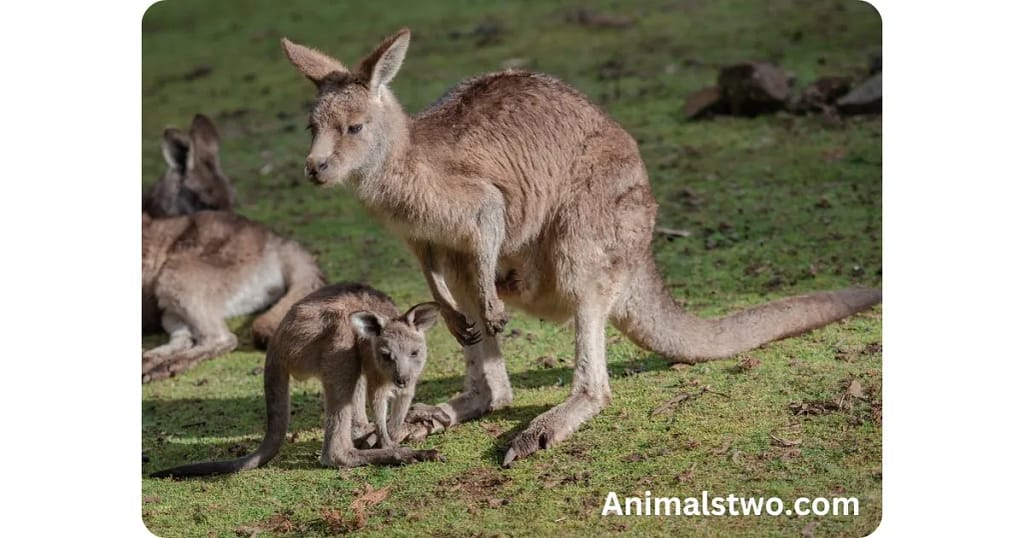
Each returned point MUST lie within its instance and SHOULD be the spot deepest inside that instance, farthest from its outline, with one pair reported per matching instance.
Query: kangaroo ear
(311, 62)
(423, 316)
(367, 324)
(175, 146)
(204, 137)
(382, 64)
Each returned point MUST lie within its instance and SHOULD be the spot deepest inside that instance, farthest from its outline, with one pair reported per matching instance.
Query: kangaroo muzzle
(315, 169)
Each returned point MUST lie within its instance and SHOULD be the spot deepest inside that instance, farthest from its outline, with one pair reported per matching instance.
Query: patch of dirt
(635, 457)
(747, 364)
(552, 479)
(477, 486)
(813, 407)
(493, 429)
(278, 524)
(854, 400)
(579, 452)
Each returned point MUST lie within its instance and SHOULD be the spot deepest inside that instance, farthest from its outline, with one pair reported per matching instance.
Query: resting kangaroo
(193, 180)
(198, 270)
(516, 177)
(356, 342)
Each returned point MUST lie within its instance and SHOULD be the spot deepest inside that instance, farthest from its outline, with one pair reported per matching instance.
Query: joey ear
(311, 62)
(367, 324)
(175, 146)
(204, 137)
(383, 63)
(423, 316)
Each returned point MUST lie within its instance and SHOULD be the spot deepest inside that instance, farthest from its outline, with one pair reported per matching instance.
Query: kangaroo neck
(401, 185)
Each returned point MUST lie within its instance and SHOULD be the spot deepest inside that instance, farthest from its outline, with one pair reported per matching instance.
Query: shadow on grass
(195, 418)
(228, 417)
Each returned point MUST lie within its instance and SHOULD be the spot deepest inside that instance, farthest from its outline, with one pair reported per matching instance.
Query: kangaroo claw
(464, 330)
(510, 458)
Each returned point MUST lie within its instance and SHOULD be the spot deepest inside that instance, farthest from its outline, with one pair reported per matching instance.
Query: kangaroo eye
(416, 353)
(355, 128)
(386, 354)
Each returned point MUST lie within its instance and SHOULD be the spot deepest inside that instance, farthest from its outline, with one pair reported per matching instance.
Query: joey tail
(652, 319)
(278, 396)
(302, 276)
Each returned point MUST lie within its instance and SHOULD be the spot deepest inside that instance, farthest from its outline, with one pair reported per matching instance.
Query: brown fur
(193, 180)
(518, 173)
(199, 269)
(357, 343)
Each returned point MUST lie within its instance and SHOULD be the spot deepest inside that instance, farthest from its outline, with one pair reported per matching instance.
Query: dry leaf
(855, 390)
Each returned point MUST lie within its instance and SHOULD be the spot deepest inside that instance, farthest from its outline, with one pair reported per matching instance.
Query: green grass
(750, 190)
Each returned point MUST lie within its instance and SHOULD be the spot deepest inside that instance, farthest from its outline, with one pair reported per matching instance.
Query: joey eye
(385, 354)
(415, 353)
(355, 128)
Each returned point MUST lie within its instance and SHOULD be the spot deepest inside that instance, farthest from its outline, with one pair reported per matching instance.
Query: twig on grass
(682, 397)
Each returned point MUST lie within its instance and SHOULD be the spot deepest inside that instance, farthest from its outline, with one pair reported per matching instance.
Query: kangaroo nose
(314, 168)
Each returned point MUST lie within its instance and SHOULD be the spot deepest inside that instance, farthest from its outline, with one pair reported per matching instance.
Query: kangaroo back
(651, 318)
(278, 397)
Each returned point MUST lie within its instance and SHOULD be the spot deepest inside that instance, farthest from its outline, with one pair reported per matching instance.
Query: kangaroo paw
(464, 330)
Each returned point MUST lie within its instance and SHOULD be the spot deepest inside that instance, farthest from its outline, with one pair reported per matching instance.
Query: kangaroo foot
(552, 427)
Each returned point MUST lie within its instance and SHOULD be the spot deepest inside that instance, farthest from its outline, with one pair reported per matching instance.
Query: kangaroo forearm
(380, 416)
(399, 408)
(435, 281)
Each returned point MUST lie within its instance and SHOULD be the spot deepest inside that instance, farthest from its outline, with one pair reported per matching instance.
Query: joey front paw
(423, 420)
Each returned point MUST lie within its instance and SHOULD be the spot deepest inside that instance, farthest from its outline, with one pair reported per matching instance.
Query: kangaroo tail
(302, 276)
(278, 395)
(651, 318)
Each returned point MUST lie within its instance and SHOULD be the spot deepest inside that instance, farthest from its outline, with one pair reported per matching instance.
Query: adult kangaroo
(516, 182)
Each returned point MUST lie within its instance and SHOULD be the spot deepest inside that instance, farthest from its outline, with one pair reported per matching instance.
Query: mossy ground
(777, 205)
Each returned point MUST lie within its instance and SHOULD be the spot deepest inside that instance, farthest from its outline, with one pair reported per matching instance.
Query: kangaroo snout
(400, 382)
(314, 168)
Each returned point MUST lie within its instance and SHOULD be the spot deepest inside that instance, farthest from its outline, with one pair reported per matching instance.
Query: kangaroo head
(193, 180)
(399, 345)
(356, 120)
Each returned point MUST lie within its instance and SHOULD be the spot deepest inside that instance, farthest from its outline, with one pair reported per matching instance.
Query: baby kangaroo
(357, 343)
(200, 269)
(193, 180)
